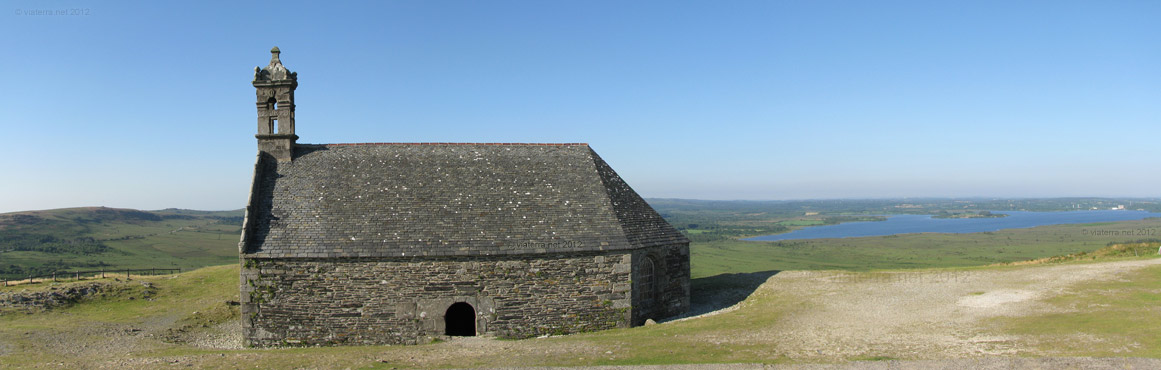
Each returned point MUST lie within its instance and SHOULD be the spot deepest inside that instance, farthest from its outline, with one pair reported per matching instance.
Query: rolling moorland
(74, 239)
(95, 238)
(714, 228)
(1047, 291)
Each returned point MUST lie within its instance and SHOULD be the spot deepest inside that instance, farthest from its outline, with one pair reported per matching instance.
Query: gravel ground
(926, 315)
(1062, 363)
(933, 316)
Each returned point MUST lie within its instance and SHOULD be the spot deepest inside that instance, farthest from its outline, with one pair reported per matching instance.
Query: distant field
(92, 238)
(914, 250)
(95, 238)
(802, 223)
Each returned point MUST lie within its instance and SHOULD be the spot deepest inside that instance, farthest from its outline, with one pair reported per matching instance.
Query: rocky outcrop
(54, 297)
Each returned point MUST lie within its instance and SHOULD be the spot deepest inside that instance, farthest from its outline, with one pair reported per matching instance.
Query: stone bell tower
(275, 85)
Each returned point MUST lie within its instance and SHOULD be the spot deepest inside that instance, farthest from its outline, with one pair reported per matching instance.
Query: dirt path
(936, 317)
(926, 315)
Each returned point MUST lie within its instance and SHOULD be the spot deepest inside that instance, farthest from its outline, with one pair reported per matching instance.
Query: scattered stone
(50, 299)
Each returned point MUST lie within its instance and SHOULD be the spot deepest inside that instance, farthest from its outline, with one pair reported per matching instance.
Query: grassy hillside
(174, 320)
(189, 319)
(35, 242)
(91, 238)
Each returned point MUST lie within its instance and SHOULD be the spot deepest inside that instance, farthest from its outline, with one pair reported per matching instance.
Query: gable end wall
(671, 276)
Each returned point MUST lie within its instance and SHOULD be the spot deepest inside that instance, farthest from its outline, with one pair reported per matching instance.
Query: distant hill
(35, 242)
(897, 206)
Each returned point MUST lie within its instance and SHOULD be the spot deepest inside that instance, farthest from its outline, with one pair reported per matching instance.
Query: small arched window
(648, 279)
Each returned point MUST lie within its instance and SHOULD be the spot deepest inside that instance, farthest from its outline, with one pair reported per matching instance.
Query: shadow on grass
(716, 292)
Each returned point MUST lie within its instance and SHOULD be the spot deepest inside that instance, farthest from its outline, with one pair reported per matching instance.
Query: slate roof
(441, 199)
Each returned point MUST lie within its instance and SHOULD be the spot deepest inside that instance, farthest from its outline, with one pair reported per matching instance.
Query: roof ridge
(450, 143)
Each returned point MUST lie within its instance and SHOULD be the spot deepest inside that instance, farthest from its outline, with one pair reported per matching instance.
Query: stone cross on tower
(275, 85)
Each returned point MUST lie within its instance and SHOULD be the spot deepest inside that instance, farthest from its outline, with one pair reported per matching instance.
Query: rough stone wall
(671, 274)
(319, 301)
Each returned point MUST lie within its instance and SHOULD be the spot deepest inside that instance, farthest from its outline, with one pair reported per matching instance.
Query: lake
(909, 224)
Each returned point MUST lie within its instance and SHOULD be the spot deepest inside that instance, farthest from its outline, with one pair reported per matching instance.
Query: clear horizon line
(242, 207)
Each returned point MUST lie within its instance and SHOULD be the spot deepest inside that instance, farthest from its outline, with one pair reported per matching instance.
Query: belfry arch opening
(272, 113)
(460, 320)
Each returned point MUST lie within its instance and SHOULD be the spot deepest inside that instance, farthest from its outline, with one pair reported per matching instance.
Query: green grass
(173, 293)
(128, 304)
(1124, 313)
(1123, 310)
(177, 298)
(912, 250)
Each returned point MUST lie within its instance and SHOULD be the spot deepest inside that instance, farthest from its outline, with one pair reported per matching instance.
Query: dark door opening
(460, 320)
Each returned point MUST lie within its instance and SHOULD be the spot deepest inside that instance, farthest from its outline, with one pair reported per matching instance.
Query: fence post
(54, 276)
(126, 273)
(30, 278)
(102, 273)
(154, 272)
(78, 275)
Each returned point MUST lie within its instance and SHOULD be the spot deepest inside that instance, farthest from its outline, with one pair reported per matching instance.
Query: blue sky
(149, 104)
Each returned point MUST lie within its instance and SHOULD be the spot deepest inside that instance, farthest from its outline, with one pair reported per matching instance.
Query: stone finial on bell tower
(275, 85)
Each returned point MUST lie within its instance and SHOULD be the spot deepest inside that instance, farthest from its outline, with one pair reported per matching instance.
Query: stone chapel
(400, 243)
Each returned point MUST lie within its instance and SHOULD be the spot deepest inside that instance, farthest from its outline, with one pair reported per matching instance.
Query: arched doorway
(460, 320)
